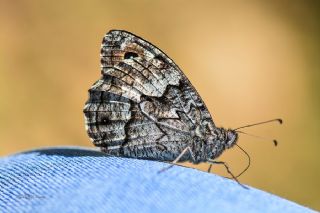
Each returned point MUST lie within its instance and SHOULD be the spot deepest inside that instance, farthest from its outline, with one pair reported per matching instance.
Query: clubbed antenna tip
(280, 120)
(275, 142)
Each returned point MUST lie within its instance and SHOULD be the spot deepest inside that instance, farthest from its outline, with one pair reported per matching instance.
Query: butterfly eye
(130, 55)
(207, 129)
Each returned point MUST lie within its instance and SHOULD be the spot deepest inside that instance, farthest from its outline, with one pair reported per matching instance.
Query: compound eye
(130, 55)
(230, 135)
(208, 129)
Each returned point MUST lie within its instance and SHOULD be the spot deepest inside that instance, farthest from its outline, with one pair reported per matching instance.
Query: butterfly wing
(143, 106)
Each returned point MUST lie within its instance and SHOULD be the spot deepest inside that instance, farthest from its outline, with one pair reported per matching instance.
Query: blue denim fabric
(83, 180)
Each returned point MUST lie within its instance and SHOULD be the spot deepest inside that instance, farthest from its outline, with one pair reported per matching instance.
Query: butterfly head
(210, 133)
(219, 140)
(231, 137)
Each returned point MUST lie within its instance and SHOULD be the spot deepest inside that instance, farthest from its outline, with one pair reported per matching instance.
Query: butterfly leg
(211, 162)
(178, 158)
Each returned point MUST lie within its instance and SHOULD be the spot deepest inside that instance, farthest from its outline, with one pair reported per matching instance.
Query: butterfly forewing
(143, 106)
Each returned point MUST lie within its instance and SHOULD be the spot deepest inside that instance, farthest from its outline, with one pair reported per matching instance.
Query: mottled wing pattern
(143, 106)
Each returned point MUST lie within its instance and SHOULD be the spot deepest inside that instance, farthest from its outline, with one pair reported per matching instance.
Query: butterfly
(144, 106)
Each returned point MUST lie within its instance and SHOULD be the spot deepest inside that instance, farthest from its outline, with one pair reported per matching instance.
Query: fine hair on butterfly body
(144, 107)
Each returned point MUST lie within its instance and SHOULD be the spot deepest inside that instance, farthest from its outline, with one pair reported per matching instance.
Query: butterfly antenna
(264, 122)
(275, 142)
(249, 161)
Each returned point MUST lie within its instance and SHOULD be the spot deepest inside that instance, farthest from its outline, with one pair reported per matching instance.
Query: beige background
(249, 60)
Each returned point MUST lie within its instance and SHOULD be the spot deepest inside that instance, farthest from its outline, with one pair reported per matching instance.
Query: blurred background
(249, 60)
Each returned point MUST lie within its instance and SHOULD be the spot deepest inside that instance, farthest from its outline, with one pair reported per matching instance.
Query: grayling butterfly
(144, 107)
